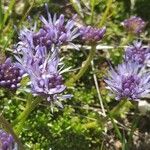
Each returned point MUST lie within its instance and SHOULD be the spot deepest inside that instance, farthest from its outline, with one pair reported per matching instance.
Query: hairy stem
(84, 67)
(92, 11)
(128, 39)
(20, 120)
(104, 17)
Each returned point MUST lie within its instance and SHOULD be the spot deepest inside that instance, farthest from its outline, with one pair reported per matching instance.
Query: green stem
(9, 129)
(104, 17)
(1, 14)
(117, 110)
(128, 39)
(84, 67)
(10, 8)
(92, 11)
(20, 120)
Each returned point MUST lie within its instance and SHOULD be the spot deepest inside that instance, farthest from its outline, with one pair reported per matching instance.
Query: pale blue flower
(137, 53)
(44, 73)
(128, 81)
(56, 31)
(53, 33)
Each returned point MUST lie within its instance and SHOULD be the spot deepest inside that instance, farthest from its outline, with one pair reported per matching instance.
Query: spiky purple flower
(53, 34)
(45, 77)
(55, 31)
(91, 35)
(137, 53)
(37, 55)
(127, 81)
(10, 75)
(134, 25)
(6, 141)
(42, 68)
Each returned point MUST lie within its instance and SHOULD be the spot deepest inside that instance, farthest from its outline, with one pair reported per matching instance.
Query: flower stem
(104, 17)
(92, 11)
(20, 120)
(9, 129)
(128, 39)
(84, 67)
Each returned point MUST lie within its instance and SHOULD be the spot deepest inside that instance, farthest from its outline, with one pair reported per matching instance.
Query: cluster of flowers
(130, 80)
(6, 141)
(37, 55)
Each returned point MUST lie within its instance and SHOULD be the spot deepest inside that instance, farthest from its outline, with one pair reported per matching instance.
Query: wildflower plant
(37, 58)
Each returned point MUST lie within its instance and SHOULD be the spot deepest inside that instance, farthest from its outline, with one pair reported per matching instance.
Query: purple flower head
(45, 77)
(91, 35)
(10, 75)
(128, 81)
(137, 53)
(41, 66)
(56, 32)
(134, 24)
(37, 55)
(53, 34)
(6, 140)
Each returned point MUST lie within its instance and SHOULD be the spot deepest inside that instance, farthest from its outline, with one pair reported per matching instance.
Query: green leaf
(1, 14)
(77, 6)
(92, 2)
(10, 8)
